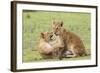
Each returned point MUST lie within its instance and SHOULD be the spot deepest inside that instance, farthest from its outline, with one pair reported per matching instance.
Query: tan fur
(71, 41)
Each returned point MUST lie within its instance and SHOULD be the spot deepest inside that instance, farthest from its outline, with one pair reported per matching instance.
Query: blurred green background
(35, 22)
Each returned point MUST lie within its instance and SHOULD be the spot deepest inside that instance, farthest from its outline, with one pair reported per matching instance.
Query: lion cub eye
(51, 36)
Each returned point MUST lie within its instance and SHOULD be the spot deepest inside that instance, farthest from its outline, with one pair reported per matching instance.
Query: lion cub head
(45, 47)
(57, 27)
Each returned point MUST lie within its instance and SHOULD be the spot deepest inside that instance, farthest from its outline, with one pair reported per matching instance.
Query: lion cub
(72, 42)
(49, 45)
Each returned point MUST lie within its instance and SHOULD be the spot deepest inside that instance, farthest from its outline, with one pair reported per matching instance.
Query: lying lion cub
(50, 46)
(72, 42)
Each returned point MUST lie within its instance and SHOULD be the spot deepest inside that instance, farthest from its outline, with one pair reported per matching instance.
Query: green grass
(35, 22)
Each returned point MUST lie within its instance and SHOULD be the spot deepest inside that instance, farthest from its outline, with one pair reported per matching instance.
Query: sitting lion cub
(72, 42)
(50, 45)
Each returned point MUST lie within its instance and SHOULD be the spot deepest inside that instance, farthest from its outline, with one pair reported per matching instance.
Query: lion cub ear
(61, 23)
(42, 34)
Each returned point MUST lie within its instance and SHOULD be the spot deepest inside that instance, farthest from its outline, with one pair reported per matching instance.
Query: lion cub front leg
(60, 53)
(57, 53)
(71, 54)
